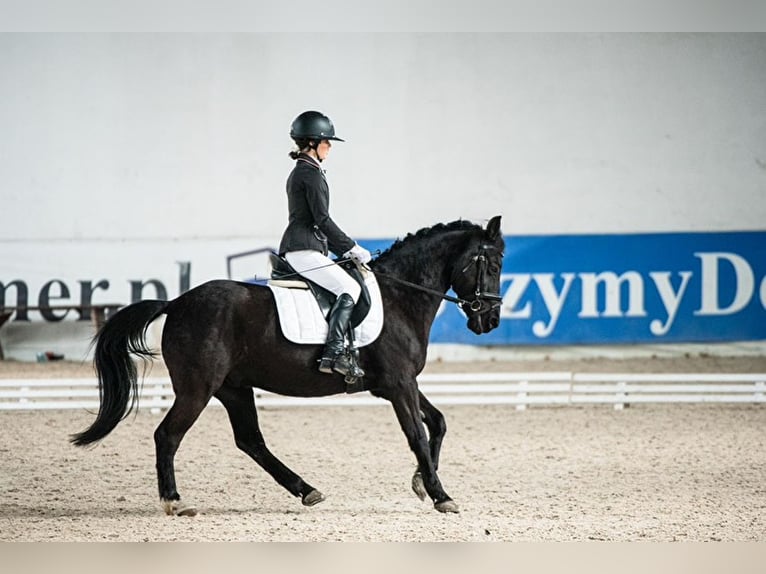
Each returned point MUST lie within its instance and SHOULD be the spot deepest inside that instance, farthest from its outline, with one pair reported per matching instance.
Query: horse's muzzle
(481, 323)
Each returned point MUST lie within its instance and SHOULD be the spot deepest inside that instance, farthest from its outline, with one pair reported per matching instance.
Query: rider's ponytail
(300, 145)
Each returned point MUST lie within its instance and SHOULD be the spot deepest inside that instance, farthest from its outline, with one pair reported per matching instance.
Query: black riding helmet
(313, 125)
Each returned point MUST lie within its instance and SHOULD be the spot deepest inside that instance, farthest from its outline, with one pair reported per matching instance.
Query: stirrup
(325, 365)
(346, 365)
(354, 385)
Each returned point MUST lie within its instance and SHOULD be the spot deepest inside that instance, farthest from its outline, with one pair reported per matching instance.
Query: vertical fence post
(522, 394)
(158, 399)
(621, 394)
(24, 391)
(760, 387)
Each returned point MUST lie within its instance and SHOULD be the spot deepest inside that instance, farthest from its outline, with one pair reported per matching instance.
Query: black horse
(222, 338)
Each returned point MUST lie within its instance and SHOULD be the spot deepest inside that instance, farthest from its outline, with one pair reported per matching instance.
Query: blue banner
(618, 289)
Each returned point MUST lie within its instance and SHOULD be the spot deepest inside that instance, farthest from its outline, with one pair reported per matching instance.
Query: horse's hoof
(178, 508)
(418, 487)
(447, 506)
(312, 498)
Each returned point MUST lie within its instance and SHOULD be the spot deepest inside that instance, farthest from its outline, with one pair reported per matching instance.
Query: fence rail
(518, 389)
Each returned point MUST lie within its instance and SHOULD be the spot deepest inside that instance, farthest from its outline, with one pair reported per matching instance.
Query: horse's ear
(493, 228)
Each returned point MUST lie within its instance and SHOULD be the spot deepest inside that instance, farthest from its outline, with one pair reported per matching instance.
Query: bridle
(481, 296)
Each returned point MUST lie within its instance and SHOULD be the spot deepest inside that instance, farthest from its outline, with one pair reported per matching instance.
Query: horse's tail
(124, 333)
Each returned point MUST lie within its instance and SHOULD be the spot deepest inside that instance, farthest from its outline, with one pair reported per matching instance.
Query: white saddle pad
(302, 321)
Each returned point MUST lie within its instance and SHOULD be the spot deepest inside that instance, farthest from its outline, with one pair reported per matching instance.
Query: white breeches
(322, 271)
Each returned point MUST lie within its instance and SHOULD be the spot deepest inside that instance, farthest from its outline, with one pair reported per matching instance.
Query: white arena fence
(518, 389)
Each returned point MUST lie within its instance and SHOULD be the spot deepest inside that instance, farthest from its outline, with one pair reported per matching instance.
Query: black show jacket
(309, 224)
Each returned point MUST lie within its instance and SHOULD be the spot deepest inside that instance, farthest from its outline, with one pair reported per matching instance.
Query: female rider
(311, 233)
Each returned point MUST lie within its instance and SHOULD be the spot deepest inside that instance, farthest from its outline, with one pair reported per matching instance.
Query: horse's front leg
(437, 428)
(407, 408)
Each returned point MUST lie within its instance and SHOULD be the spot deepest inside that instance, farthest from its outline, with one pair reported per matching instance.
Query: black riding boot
(335, 357)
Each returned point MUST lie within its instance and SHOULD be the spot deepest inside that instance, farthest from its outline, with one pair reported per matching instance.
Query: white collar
(311, 159)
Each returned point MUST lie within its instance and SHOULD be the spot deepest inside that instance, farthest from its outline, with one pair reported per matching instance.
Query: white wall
(183, 136)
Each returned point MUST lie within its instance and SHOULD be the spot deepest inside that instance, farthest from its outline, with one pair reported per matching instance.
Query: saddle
(283, 275)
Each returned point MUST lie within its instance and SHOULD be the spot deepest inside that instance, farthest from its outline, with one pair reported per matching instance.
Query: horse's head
(476, 278)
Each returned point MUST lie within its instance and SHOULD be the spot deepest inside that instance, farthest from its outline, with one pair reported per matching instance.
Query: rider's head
(312, 131)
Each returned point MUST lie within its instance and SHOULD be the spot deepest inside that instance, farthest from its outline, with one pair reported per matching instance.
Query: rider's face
(323, 149)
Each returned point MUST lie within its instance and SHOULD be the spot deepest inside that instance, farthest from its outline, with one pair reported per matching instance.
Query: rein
(474, 305)
(481, 296)
(430, 291)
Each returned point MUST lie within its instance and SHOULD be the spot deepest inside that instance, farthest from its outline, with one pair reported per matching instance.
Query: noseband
(480, 295)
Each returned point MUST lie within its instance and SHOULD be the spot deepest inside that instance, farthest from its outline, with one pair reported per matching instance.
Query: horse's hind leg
(437, 428)
(167, 438)
(240, 406)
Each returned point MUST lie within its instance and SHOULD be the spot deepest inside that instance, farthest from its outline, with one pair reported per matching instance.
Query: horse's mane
(438, 229)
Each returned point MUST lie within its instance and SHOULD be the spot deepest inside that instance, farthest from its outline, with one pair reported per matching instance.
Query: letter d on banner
(743, 279)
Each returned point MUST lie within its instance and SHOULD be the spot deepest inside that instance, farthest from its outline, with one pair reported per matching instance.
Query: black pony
(222, 338)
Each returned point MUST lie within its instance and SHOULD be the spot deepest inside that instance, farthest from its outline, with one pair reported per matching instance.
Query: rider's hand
(358, 253)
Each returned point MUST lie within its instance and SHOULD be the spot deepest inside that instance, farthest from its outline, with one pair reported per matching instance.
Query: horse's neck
(427, 263)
